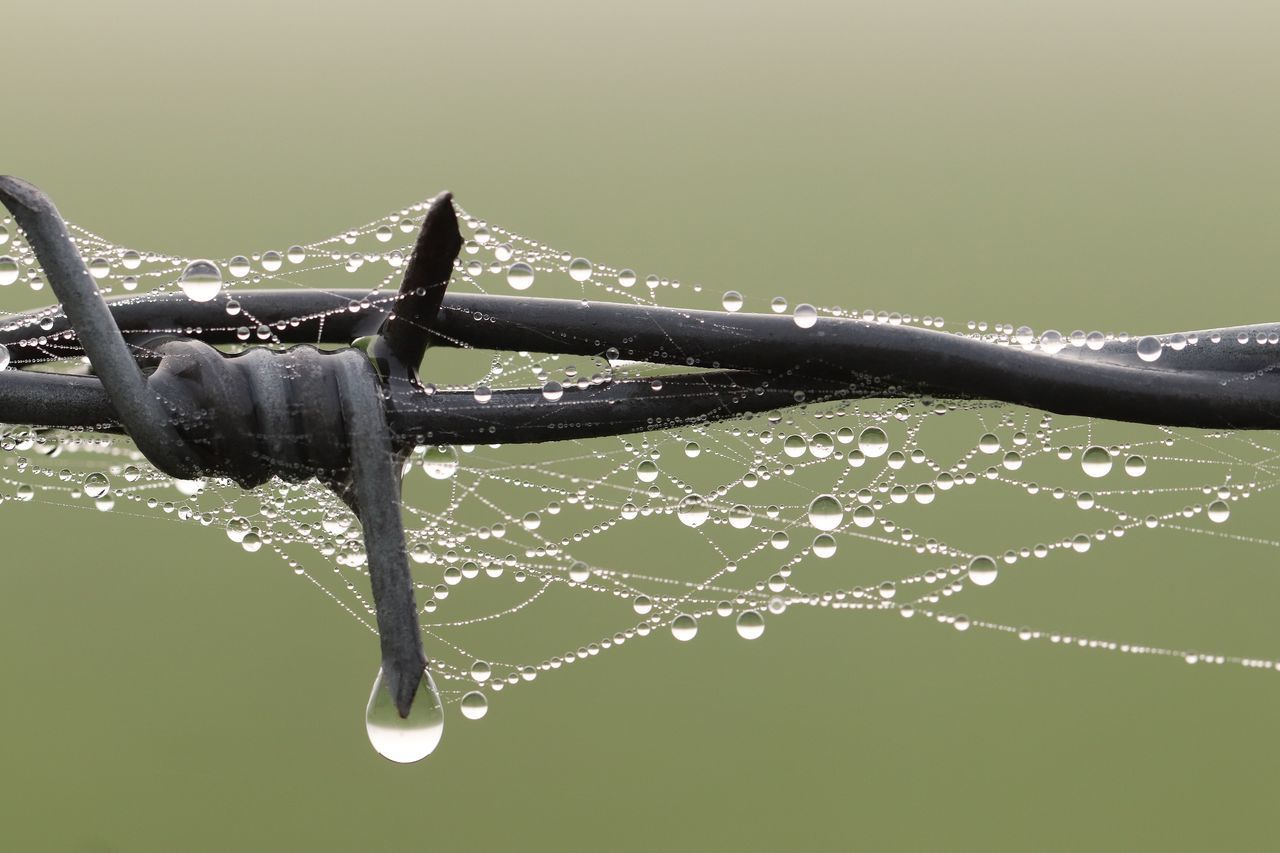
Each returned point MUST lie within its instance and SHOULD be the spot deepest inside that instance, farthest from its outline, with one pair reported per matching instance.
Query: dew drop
(805, 315)
(983, 570)
(238, 266)
(480, 671)
(1135, 466)
(440, 462)
(96, 485)
(4, 356)
(1219, 512)
(296, 254)
(824, 546)
(732, 300)
(474, 705)
(692, 511)
(684, 627)
(272, 261)
(825, 513)
(483, 394)
(8, 270)
(405, 739)
(750, 625)
(201, 281)
(552, 391)
(1149, 348)
(873, 442)
(580, 269)
(627, 278)
(1096, 461)
(520, 276)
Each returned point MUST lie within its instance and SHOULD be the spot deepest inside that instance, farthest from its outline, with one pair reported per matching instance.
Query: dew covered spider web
(532, 558)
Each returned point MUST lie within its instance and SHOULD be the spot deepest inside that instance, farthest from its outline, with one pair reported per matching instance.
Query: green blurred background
(1063, 164)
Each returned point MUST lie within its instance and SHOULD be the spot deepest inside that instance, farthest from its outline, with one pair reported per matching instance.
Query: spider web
(530, 558)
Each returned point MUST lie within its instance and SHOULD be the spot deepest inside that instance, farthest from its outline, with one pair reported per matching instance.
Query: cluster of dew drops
(752, 538)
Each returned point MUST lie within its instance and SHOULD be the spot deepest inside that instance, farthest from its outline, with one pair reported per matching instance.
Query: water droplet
(684, 627)
(96, 485)
(740, 517)
(272, 261)
(1149, 348)
(805, 315)
(750, 625)
(520, 276)
(99, 268)
(825, 513)
(405, 739)
(873, 442)
(627, 278)
(1052, 341)
(692, 511)
(1135, 466)
(384, 233)
(201, 281)
(552, 391)
(296, 254)
(983, 570)
(238, 266)
(1219, 512)
(824, 546)
(483, 394)
(440, 462)
(580, 269)
(647, 471)
(732, 300)
(642, 604)
(1096, 461)
(8, 270)
(778, 304)
(474, 705)
(4, 356)
(480, 671)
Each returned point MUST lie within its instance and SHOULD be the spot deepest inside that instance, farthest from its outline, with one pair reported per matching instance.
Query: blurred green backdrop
(1064, 164)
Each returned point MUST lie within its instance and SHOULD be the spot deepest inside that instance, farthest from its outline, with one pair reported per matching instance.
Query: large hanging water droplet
(520, 276)
(96, 485)
(750, 625)
(873, 442)
(825, 513)
(201, 281)
(732, 300)
(440, 462)
(272, 261)
(405, 739)
(580, 269)
(983, 570)
(692, 511)
(1096, 461)
(1149, 348)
